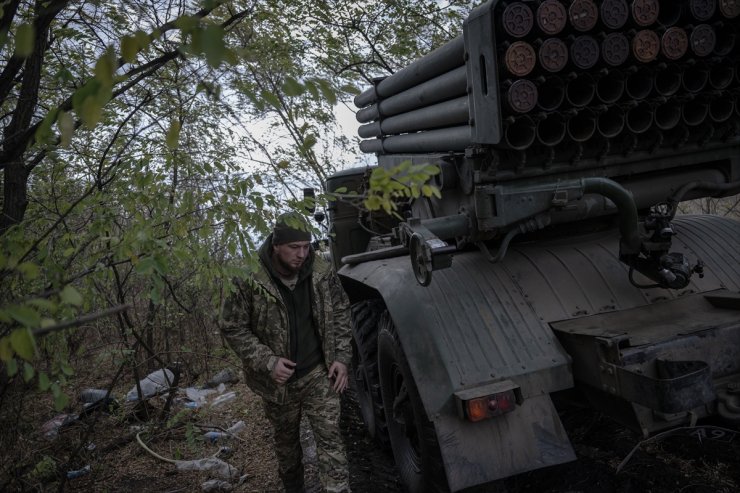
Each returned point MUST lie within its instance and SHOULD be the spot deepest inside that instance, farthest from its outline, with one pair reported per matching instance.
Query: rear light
(488, 401)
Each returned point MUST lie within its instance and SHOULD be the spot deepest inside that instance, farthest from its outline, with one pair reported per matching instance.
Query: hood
(265, 254)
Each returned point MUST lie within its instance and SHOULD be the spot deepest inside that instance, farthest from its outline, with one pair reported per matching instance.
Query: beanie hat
(290, 227)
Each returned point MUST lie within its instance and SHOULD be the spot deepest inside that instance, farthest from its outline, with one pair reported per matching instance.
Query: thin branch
(81, 320)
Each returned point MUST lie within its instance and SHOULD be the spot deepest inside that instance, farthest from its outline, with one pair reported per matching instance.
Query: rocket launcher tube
(445, 114)
(447, 86)
(439, 61)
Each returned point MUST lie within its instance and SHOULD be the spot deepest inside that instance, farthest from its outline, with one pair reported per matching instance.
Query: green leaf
(212, 45)
(173, 134)
(6, 351)
(66, 369)
(28, 371)
(24, 40)
(327, 91)
(42, 304)
(129, 48)
(12, 367)
(23, 343)
(186, 23)
(43, 132)
(105, 67)
(24, 315)
(292, 87)
(43, 381)
(60, 399)
(90, 112)
(70, 295)
(66, 125)
(350, 89)
(308, 142)
(29, 270)
(145, 266)
(270, 98)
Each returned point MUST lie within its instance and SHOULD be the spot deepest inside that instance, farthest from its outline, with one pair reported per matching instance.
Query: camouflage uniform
(255, 323)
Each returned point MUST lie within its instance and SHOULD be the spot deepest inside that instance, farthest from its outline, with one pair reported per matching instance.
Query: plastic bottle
(79, 472)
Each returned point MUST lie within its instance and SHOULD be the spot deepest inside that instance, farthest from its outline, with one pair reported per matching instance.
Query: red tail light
(487, 401)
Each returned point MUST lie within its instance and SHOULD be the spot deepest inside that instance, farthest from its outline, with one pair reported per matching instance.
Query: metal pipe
(520, 96)
(668, 80)
(439, 61)
(695, 77)
(447, 114)
(551, 129)
(726, 188)
(610, 122)
(520, 133)
(447, 227)
(695, 112)
(667, 114)
(702, 40)
(448, 85)
(721, 75)
(669, 12)
(639, 83)
(580, 90)
(639, 118)
(440, 140)
(721, 108)
(550, 93)
(625, 205)
(380, 254)
(582, 126)
(726, 39)
(610, 87)
(614, 13)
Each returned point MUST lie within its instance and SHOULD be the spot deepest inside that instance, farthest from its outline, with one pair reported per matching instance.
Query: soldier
(290, 325)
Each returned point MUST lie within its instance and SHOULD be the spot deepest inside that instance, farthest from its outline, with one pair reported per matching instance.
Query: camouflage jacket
(255, 324)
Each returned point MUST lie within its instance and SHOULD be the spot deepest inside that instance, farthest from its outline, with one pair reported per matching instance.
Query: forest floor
(683, 462)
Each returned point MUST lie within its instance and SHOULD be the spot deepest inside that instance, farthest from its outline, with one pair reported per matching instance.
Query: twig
(81, 320)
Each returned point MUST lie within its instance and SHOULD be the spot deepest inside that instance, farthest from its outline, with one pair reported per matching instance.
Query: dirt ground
(118, 463)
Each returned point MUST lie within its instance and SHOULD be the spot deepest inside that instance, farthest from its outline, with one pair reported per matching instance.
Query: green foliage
(24, 40)
(159, 153)
(404, 181)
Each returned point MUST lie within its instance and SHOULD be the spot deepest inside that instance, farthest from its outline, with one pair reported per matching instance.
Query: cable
(141, 442)
(641, 286)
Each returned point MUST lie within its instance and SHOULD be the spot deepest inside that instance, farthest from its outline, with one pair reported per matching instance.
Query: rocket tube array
(569, 71)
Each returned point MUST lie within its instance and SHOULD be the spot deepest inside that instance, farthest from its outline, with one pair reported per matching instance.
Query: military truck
(566, 133)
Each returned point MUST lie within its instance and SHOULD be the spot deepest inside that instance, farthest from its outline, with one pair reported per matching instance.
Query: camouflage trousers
(312, 395)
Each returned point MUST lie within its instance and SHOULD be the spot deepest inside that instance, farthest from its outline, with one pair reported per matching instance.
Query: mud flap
(682, 386)
(529, 438)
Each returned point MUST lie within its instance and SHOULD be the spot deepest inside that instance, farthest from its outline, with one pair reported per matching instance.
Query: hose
(625, 205)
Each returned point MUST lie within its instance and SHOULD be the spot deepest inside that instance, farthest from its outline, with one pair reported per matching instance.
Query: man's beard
(286, 267)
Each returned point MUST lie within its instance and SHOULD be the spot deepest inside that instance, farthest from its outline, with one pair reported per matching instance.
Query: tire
(413, 438)
(365, 316)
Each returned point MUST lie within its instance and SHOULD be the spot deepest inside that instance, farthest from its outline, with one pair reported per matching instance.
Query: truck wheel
(413, 439)
(365, 316)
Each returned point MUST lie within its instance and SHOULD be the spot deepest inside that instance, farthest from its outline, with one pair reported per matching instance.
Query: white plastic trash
(151, 385)
(224, 398)
(216, 485)
(236, 427)
(216, 466)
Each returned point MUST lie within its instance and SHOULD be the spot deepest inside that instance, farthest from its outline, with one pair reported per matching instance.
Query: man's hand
(338, 374)
(283, 370)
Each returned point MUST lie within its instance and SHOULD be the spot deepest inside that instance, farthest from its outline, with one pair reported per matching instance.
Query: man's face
(290, 256)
